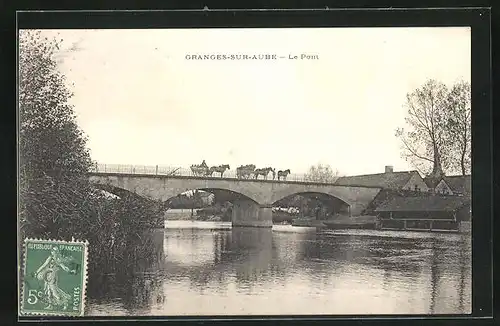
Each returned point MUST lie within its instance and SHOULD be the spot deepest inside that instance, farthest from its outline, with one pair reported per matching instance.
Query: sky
(140, 101)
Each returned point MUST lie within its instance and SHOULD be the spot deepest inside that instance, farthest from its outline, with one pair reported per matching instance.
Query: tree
(321, 173)
(459, 126)
(56, 199)
(55, 196)
(438, 136)
(425, 141)
(53, 158)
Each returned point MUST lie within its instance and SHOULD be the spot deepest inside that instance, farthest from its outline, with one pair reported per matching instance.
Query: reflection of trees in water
(444, 266)
(339, 248)
(135, 292)
(449, 264)
(326, 253)
(433, 270)
(435, 275)
(465, 259)
(133, 284)
(401, 255)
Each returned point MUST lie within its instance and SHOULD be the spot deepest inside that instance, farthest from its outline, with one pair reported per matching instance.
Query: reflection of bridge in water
(252, 199)
(257, 255)
(422, 273)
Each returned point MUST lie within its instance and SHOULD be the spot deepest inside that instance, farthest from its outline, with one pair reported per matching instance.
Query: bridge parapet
(180, 171)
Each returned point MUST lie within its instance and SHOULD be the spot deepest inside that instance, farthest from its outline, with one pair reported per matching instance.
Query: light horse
(245, 171)
(219, 169)
(200, 170)
(283, 174)
(264, 172)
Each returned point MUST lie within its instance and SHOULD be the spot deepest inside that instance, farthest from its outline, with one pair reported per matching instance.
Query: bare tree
(459, 126)
(322, 173)
(424, 143)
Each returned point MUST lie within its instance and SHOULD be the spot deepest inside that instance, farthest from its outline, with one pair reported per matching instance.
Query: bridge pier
(247, 213)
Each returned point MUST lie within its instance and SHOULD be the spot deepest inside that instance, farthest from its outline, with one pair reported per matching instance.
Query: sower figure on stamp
(48, 273)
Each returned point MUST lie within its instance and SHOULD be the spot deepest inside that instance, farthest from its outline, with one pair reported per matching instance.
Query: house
(438, 186)
(452, 185)
(443, 188)
(425, 212)
(403, 180)
(459, 184)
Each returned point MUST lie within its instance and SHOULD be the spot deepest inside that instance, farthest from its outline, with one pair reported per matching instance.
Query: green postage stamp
(54, 277)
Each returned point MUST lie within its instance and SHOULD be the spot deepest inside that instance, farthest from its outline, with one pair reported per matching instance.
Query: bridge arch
(322, 196)
(332, 192)
(119, 192)
(221, 194)
(333, 204)
(357, 198)
(158, 188)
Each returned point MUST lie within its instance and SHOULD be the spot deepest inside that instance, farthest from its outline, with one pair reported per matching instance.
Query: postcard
(245, 171)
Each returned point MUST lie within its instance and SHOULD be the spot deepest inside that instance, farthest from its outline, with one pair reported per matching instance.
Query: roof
(392, 180)
(423, 204)
(432, 182)
(459, 183)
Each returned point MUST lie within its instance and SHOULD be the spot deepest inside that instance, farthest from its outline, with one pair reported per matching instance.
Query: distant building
(409, 202)
(459, 184)
(443, 188)
(403, 180)
(425, 212)
(450, 185)
(438, 186)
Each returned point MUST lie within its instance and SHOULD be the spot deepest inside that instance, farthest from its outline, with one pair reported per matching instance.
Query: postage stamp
(54, 277)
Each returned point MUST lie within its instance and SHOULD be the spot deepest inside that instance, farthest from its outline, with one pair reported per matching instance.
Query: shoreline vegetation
(56, 199)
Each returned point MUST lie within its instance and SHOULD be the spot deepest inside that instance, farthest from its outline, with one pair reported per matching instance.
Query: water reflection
(209, 270)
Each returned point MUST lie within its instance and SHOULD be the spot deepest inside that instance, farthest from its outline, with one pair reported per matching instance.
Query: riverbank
(206, 215)
(364, 222)
(226, 226)
(338, 222)
(282, 218)
(352, 222)
(187, 215)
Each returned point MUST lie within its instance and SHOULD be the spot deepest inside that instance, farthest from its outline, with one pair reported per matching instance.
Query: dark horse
(283, 174)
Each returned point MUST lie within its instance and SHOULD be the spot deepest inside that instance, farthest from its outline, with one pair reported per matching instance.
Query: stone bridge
(254, 198)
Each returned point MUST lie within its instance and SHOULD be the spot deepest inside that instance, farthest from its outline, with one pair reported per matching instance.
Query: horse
(283, 174)
(219, 169)
(245, 171)
(199, 170)
(264, 172)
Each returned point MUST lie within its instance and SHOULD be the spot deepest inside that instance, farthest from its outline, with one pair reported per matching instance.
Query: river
(207, 268)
